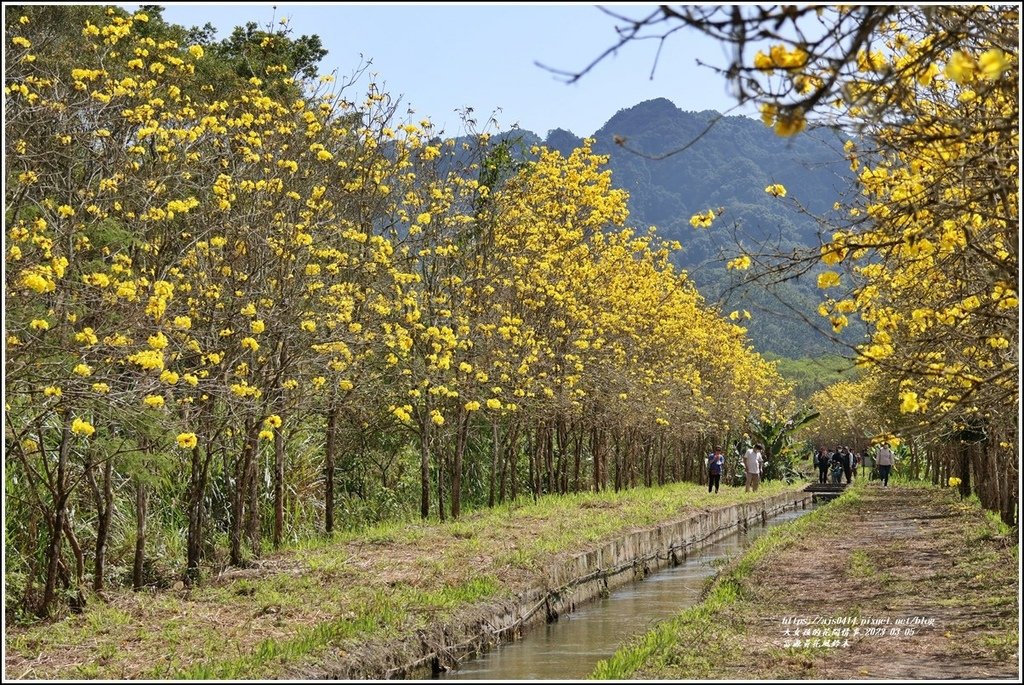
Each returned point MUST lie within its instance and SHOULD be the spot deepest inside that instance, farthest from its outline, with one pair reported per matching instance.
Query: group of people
(841, 461)
(753, 462)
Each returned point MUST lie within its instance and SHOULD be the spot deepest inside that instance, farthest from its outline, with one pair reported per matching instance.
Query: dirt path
(896, 583)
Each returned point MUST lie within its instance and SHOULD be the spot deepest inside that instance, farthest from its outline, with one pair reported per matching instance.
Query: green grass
(998, 526)
(1003, 646)
(861, 566)
(378, 613)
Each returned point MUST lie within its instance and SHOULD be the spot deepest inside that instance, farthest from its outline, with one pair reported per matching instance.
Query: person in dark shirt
(716, 462)
(845, 460)
(821, 461)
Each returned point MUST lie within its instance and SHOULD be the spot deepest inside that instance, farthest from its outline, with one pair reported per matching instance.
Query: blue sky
(441, 58)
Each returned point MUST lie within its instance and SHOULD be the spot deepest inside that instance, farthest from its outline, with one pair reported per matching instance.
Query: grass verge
(377, 585)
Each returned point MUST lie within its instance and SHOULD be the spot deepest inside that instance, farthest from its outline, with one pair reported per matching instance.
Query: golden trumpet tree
(215, 284)
(930, 256)
(932, 262)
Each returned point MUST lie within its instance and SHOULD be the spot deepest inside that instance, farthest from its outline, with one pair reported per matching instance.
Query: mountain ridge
(676, 163)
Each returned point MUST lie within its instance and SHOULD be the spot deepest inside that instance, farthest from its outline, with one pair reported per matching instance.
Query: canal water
(570, 648)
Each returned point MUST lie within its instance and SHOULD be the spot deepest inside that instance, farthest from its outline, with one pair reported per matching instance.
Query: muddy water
(570, 648)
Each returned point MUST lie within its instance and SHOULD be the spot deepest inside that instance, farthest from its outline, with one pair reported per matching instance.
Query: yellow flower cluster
(740, 263)
(154, 401)
(780, 57)
(703, 219)
(82, 427)
(187, 441)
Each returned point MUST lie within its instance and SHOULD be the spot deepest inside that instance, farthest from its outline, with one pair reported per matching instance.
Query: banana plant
(779, 444)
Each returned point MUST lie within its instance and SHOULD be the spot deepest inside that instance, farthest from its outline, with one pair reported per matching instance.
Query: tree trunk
(530, 438)
(425, 469)
(577, 457)
(506, 456)
(196, 497)
(617, 452)
(104, 500)
(140, 535)
(535, 462)
(562, 461)
(509, 460)
(965, 469)
(240, 493)
(676, 461)
(331, 454)
(278, 487)
(77, 599)
(441, 464)
(914, 461)
(495, 452)
(549, 457)
(252, 509)
(60, 499)
(1010, 494)
(461, 437)
(648, 471)
(237, 509)
(513, 466)
(659, 460)
(52, 559)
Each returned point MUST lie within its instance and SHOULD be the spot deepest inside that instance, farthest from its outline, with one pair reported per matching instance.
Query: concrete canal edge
(568, 583)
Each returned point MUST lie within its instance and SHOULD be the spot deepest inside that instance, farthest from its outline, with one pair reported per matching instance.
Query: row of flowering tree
(931, 258)
(225, 279)
(928, 253)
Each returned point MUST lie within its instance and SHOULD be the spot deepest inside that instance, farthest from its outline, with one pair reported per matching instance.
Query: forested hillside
(727, 163)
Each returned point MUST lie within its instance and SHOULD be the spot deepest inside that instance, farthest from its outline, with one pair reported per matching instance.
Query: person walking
(716, 462)
(753, 460)
(846, 459)
(884, 460)
(821, 462)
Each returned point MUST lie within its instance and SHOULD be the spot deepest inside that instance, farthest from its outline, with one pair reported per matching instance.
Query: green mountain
(726, 162)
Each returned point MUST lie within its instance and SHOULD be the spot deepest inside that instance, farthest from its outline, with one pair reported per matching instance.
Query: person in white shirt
(884, 460)
(752, 462)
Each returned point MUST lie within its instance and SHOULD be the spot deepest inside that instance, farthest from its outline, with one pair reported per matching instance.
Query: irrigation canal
(570, 648)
